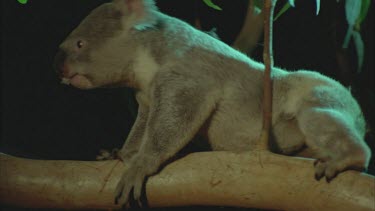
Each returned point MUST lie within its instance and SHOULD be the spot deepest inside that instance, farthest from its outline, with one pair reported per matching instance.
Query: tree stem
(269, 6)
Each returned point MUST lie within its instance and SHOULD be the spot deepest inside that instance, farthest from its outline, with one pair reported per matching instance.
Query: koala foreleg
(176, 114)
(134, 139)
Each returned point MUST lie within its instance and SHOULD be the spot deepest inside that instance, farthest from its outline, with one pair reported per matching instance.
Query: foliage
(22, 1)
(291, 3)
(211, 4)
(355, 10)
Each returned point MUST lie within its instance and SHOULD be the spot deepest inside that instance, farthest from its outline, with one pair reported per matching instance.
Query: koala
(187, 82)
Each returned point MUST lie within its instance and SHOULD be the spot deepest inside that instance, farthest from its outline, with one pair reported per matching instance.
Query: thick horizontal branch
(251, 179)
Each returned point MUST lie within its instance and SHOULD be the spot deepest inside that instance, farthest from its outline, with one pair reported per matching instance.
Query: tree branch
(251, 30)
(251, 179)
(269, 7)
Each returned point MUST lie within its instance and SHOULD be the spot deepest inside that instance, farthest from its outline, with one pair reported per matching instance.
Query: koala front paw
(132, 181)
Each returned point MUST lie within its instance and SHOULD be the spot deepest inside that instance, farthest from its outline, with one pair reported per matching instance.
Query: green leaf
(348, 36)
(317, 7)
(352, 10)
(291, 2)
(22, 1)
(364, 9)
(360, 48)
(282, 11)
(210, 4)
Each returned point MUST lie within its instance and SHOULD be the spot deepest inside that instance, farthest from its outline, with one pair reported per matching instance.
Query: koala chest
(145, 68)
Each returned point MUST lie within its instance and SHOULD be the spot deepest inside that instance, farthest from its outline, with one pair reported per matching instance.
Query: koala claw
(319, 169)
(131, 183)
(107, 155)
(326, 169)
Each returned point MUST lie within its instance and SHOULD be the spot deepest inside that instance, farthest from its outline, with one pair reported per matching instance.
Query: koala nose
(59, 61)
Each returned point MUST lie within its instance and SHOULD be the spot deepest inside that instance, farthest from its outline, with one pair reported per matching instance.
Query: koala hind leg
(287, 137)
(336, 143)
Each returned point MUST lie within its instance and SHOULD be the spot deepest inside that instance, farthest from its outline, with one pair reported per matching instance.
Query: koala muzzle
(59, 63)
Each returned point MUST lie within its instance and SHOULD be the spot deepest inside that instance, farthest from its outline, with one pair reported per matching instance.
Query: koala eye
(79, 43)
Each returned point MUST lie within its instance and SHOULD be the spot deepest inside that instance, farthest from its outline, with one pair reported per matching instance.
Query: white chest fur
(145, 68)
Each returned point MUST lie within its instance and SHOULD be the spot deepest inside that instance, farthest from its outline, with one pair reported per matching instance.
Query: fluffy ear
(140, 10)
(135, 6)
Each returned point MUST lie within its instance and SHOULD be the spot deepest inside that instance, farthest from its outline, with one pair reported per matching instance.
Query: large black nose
(58, 62)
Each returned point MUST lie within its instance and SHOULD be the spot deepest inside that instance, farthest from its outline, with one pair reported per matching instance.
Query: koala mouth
(67, 80)
(77, 80)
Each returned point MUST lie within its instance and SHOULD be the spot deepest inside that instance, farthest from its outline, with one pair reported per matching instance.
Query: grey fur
(186, 79)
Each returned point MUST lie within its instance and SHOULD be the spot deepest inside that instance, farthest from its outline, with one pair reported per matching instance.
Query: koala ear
(135, 6)
(142, 11)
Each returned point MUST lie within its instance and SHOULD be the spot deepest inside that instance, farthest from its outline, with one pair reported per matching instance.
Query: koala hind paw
(107, 155)
(330, 168)
(325, 169)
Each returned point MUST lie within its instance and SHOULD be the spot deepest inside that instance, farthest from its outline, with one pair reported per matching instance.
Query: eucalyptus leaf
(317, 7)
(282, 11)
(291, 2)
(364, 9)
(360, 48)
(211, 4)
(352, 10)
(348, 35)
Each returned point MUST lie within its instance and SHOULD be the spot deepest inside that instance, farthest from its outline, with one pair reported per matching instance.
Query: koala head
(101, 50)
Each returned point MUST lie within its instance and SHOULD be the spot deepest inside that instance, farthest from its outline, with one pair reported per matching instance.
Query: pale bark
(251, 31)
(250, 179)
(269, 7)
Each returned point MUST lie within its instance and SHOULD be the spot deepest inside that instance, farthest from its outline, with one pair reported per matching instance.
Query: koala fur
(184, 79)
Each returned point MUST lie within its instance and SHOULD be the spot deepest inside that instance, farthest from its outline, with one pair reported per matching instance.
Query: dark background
(46, 120)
